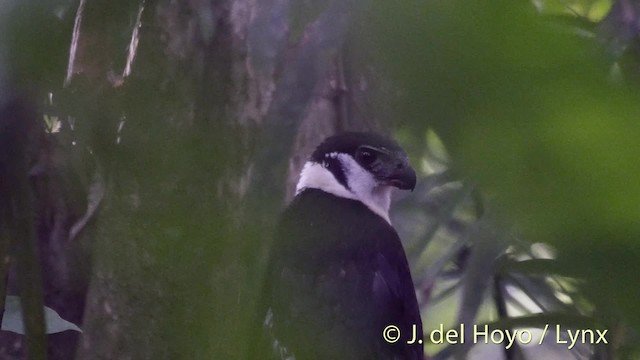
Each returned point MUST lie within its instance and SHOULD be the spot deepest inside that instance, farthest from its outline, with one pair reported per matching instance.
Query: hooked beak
(402, 176)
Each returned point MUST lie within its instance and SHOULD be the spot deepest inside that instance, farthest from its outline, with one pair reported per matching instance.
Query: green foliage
(593, 10)
(529, 112)
(510, 112)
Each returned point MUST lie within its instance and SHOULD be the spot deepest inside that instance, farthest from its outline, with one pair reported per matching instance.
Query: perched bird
(338, 275)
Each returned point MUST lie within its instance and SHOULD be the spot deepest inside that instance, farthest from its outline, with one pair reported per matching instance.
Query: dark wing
(338, 277)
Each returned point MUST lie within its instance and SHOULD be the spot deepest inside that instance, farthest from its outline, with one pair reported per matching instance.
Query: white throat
(362, 186)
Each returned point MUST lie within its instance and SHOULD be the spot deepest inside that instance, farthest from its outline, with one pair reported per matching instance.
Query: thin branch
(74, 43)
(133, 44)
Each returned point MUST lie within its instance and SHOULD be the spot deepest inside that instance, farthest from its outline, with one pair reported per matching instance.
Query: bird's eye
(366, 156)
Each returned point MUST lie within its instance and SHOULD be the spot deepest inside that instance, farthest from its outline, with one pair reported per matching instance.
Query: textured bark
(187, 146)
(17, 125)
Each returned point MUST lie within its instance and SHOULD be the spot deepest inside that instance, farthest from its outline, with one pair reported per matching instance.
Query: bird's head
(359, 166)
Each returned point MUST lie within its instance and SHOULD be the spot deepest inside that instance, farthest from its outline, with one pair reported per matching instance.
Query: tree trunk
(188, 143)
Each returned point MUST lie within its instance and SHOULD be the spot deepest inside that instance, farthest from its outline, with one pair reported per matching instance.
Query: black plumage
(338, 276)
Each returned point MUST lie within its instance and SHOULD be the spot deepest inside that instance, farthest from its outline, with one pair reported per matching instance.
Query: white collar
(362, 186)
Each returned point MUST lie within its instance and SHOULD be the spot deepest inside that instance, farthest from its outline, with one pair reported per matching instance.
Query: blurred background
(146, 148)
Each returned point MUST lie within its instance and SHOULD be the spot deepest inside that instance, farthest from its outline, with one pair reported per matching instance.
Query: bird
(338, 283)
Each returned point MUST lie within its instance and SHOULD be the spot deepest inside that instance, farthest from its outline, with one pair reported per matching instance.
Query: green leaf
(530, 267)
(571, 321)
(12, 319)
